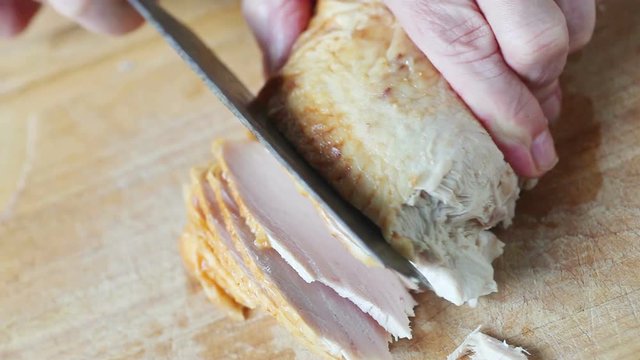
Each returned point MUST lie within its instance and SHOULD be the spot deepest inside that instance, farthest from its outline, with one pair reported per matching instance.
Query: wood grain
(97, 136)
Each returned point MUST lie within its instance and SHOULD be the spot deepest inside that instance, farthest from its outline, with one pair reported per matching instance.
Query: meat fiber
(479, 346)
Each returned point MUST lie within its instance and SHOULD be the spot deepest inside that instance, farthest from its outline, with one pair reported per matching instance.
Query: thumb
(276, 24)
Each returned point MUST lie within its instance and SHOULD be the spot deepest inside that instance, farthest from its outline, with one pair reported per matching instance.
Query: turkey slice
(311, 310)
(290, 223)
(206, 251)
(200, 263)
(241, 280)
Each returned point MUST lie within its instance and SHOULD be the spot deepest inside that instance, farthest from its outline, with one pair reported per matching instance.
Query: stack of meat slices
(253, 240)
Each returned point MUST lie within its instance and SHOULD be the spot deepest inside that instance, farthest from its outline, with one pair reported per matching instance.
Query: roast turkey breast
(369, 111)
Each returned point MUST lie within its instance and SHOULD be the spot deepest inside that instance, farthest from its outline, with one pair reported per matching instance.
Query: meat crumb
(479, 346)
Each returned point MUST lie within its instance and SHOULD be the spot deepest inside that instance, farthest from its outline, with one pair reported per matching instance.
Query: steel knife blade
(240, 101)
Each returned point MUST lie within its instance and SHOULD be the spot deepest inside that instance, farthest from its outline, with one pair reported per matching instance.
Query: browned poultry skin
(207, 258)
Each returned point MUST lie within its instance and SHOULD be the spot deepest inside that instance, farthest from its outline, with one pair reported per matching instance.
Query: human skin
(502, 57)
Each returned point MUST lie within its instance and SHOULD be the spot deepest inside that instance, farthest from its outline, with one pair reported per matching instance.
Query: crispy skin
(202, 262)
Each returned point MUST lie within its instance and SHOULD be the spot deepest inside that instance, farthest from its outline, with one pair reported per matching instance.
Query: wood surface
(97, 136)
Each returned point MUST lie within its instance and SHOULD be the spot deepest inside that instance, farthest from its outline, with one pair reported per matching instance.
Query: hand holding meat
(503, 58)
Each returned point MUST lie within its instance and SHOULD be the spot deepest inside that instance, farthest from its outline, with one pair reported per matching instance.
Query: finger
(15, 15)
(532, 35)
(581, 21)
(103, 16)
(550, 99)
(276, 24)
(460, 44)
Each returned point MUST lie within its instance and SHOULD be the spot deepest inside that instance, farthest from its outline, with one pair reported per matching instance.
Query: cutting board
(96, 139)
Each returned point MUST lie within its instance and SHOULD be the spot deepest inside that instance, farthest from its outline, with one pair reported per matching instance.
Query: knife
(237, 98)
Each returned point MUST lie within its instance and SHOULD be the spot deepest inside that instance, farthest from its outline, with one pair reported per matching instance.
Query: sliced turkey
(287, 221)
(325, 321)
(208, 251)
(336, 322)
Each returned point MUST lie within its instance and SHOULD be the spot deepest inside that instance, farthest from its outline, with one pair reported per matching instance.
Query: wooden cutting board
(96, 139)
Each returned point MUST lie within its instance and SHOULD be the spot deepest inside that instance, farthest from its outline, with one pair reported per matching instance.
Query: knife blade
(240, 101)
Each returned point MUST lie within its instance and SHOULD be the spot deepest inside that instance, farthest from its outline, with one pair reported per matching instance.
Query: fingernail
(543, 151)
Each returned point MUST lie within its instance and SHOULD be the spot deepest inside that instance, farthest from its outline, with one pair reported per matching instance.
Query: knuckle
(521, 104)
(540, 56)
(488, 68)
(581, 18)
(463, 34)
(523, 111)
